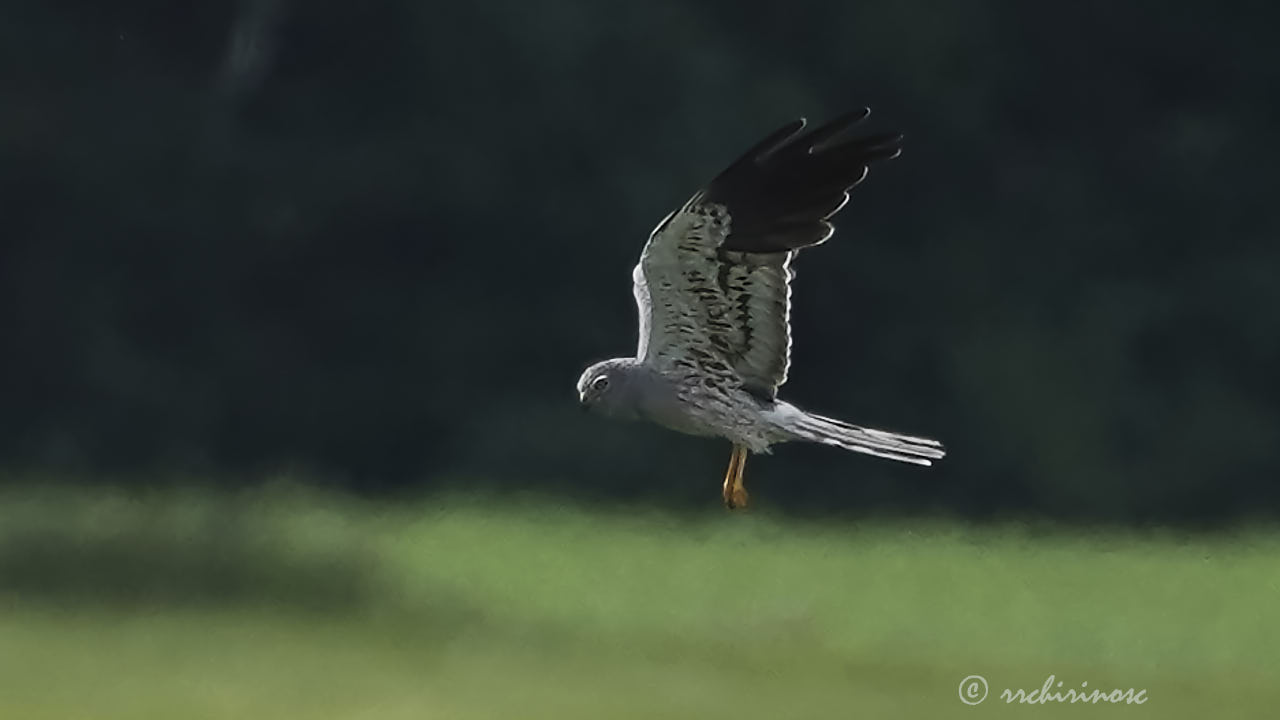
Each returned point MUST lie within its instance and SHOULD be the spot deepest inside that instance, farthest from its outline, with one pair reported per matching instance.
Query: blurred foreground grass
(283, 604)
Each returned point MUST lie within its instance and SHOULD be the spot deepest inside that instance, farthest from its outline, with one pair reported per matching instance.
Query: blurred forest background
(372, 245)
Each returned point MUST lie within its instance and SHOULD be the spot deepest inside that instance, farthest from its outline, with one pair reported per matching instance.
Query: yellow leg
(735, 495)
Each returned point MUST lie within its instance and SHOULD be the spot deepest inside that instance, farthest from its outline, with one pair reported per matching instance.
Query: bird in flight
(713, 287)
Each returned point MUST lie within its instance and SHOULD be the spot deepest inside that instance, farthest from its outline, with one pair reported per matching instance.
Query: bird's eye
(600, 383)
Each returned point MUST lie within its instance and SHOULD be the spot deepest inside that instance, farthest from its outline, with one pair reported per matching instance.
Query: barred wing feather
(713, 282)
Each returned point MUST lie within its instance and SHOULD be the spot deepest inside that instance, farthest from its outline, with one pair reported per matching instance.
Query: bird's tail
(881, 443)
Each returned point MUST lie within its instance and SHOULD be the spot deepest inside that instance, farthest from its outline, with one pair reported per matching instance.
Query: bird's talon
(737, 499)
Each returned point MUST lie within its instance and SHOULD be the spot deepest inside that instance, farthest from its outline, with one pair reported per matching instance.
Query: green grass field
(282, 604)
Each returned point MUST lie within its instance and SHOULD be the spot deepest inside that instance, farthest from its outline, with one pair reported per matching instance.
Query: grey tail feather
(881, 443)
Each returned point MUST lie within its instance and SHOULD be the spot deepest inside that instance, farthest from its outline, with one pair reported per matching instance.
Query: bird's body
(714, 298)
(682, 400)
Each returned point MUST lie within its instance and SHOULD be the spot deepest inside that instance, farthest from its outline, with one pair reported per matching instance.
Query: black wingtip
(780, 193)
(830, 134)
(774, 141)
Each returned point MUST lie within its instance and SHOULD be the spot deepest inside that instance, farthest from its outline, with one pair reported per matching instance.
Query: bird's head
(609, 388)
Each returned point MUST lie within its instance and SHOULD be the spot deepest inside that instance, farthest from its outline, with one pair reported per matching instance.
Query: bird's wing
(713, 282)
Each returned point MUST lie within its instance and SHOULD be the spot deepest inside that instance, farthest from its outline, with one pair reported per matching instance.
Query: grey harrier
(713, 289)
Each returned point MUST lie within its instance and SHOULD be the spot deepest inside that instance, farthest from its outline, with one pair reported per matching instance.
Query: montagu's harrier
(713, 288)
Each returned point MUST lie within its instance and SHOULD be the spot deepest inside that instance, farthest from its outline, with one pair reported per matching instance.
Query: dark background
(373, 244)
